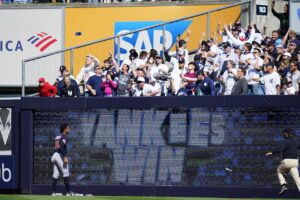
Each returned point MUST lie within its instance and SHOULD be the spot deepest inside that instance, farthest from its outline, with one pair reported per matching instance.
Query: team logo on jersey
(148, 39)
(42, 41)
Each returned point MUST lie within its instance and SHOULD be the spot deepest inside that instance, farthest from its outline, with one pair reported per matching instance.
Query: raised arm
(285, 38)
(114, 61)
(188, 33)
(276, 14)
(219, 29)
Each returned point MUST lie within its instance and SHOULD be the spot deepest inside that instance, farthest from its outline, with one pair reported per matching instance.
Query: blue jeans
(255, 89)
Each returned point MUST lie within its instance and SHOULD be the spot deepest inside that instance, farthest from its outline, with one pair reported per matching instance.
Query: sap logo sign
(298, 13)
(148, 39)
(5, 173)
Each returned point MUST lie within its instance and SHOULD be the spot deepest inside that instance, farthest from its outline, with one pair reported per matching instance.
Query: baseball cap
(287, 54)
(141, 79)
(41, 80)
(270, 64)
(181, 60)
(257, 43)
(226, 44)
(132, 51)
(62, 68)
(181, 42)
(201, 72)
(210, 40)
(278, 42)
(292, 43)
(238, 23)
(234, 28)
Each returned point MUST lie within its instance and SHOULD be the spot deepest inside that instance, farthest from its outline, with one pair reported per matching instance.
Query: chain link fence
(222, 146)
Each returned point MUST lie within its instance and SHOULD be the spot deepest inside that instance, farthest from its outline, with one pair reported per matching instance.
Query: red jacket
(47, 90)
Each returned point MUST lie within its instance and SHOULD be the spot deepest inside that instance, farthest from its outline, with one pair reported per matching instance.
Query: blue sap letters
(148, 39)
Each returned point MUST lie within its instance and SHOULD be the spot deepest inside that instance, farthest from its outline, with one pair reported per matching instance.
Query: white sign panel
(26, 33)
(295, 16)
(5, 131)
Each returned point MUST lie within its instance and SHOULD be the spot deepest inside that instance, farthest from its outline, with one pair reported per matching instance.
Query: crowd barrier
(172, 146)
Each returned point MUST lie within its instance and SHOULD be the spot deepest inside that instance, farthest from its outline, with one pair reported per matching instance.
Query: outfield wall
(172, 146)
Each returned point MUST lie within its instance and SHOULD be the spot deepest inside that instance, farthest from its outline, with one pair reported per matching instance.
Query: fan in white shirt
(271, 81)
(229, 77)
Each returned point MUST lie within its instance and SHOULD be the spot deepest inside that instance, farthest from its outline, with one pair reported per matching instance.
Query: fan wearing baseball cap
(45, 89)
(143, 89)
(228, 52)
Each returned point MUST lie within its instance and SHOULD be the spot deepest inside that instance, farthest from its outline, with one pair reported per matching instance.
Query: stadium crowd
(245, 62)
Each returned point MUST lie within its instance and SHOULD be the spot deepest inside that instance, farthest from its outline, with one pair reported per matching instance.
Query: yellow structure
(97, 23)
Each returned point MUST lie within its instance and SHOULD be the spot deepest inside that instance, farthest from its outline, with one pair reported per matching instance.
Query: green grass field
(44, 197)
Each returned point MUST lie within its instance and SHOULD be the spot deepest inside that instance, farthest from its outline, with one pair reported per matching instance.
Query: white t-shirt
(252, 72)
(214, 48)
(258, 38)
(85, 73)
(174, 62)
(126, 61)
(224, 57)
(156, 87)
(137, 92)
(246, 56)
(294, 78)
(289, 91)
(154, 72)
(271, 81)
(176, 78)
(229, 80)
(164, 69)
(140, 62)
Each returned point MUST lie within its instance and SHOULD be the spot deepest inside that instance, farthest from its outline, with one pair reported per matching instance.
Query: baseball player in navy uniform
(60, 160)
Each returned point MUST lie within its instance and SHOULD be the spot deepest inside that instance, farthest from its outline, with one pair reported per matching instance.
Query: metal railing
(71, 49)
